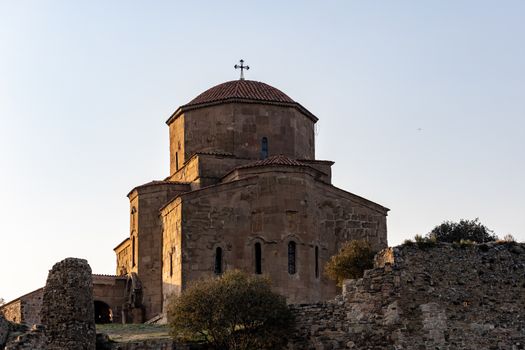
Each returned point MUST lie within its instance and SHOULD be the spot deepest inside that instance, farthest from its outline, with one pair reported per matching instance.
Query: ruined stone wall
(25, 309)
(12, 311)
(31, 305)
(442, 297)
(67, 309)
(272, 209)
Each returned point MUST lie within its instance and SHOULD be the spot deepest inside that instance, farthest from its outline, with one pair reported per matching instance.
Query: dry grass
(124, 333)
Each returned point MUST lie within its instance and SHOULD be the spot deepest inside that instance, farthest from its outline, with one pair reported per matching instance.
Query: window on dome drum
(258, 258)
(133, 251)
(218, 261)
(316, 262)
(291, 257)
(264, 148)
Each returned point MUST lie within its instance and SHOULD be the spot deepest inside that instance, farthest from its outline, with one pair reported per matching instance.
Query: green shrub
(233, 311)
(471, 230)
(350, 262)
(424, 242)
(464, 243)
(408, 242)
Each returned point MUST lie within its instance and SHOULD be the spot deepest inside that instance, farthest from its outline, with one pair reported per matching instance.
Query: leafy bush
(408, 242)
(464, 243)
(471, 230)
(233, 311)
(350, 262)
(424, 242)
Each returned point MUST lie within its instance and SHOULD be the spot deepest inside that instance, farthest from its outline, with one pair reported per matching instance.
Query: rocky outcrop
(433, 297)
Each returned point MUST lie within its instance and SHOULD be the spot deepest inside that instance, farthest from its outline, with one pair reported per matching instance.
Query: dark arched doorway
(103, 313)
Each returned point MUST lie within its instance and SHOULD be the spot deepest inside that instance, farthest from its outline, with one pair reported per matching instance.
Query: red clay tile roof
(274, 161)
(248, 91)
(241, 89)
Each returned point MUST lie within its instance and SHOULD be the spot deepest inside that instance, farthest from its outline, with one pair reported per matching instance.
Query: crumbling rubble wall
(68, 312)
(434, 297)
(68, 320)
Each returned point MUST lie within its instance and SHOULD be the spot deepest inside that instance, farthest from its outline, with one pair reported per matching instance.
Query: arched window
(291, 257)
(258, 258)
(218, 261)
(264, 148)
(316, 262)
(133, 251)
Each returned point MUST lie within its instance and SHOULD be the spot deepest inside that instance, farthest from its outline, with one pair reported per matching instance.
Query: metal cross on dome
(242, 67)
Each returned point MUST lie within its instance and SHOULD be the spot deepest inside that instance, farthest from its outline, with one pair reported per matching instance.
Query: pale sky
(421, 106)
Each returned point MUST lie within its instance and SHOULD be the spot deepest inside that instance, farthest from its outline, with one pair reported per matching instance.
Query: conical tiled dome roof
(241, 90)
(247, 91)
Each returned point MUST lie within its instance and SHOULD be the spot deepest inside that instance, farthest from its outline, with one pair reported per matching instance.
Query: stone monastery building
(244, 192)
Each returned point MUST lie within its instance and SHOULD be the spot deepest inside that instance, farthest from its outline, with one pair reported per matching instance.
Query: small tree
(234, 311)
(351, 261)
(467, 230)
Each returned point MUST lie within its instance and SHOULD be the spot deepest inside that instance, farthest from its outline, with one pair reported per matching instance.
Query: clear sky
(421, 106)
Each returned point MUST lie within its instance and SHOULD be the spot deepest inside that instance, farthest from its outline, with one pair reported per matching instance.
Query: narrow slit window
(218, 261)
(292, 247)
(171, 263)
(264, 148)
(258, 258)
(176, 160)
(316, 262)
(133, 251)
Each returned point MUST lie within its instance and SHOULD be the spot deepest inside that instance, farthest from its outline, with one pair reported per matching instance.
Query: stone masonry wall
(12, 311)
(441, 297)
(31, 305)
(270, 209)
(25, 309)
(238, 128)
(67, 308)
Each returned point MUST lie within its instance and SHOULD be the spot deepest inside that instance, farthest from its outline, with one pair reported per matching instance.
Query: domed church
(244, 192)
